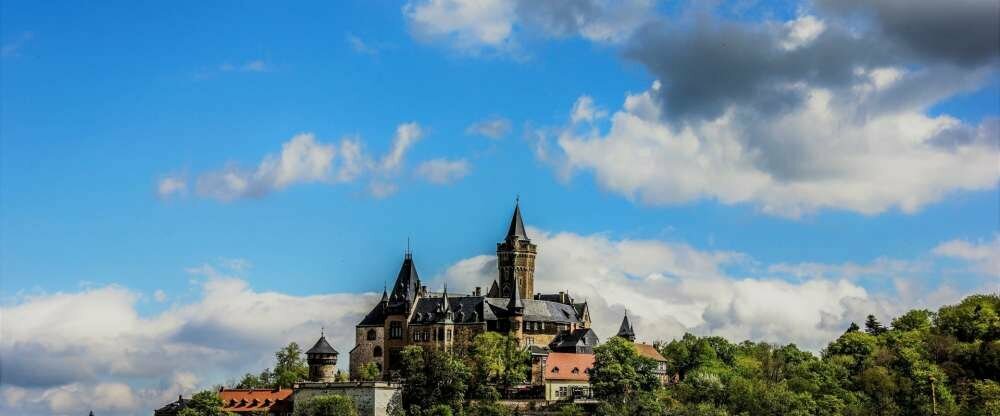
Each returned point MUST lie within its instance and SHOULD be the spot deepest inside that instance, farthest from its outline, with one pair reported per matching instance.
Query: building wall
(364, 349)
(370, 398)
(552, 389)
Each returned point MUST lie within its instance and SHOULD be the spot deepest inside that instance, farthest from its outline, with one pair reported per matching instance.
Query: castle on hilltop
(413, 315)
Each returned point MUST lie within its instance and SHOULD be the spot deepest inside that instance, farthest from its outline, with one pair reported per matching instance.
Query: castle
(413, 315)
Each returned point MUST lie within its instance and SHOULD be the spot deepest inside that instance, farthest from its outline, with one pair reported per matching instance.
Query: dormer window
(555, 370)
(575, 370)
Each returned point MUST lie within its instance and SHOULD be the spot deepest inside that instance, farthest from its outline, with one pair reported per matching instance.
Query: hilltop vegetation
(945, 362)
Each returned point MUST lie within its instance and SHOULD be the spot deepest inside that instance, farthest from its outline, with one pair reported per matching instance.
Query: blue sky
(101, 103)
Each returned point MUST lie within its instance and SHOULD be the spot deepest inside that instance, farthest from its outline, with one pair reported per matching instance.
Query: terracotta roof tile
(649, 351)
(561, 366)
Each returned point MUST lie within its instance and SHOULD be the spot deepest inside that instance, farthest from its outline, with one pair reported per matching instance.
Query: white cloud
(64, 352)
(443, 171)
(842, 149)
(406, 135)
(302, 160)
(802, 31)
(497, 26)
(171, 186)
(494, 128)
(160, 296)
(670, 288)
(983, 255)
(585, 111)
(466, 24)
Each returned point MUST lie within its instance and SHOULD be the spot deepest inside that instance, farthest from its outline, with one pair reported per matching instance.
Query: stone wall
(370, 398)
(364, 350)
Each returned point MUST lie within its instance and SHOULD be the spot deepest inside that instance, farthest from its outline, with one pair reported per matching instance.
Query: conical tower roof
(515, 304)
(407, 281)
(516, 229)
(625, 330)
(322, 347)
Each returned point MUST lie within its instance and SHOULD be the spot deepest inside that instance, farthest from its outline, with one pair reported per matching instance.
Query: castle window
(371, 335)
(377, 352)
(575, 370)
(555, 370)
(395, 330)
(440, 334)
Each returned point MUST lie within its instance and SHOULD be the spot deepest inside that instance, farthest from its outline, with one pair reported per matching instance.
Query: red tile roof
(649, 351)
(254, 400)
(568, 366)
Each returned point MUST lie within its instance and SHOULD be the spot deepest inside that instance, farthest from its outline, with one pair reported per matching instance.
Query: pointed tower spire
(407, 281)
(516, 229)
(515, 305)
(625, 330)
(385, 293)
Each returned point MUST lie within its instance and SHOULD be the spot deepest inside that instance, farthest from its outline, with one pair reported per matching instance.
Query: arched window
(576, 370)
(377, 352)
(371, 335)
(555, 370)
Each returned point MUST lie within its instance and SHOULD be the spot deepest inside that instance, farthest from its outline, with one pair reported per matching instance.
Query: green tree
(433, 377)
(620, 374)
(290, 366)
(488, 408)
(369, 372)
(975, 318)
(570, 410)
(915, 320)
(326, 405)
(499, 359)
(204, 403)
(873, 326)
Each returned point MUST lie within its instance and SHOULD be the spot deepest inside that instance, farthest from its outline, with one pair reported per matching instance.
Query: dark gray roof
(464, 309)
(322, 347)
(581, 338)
(407, 282)
(536, 310)
(625, 330)
(516, 228)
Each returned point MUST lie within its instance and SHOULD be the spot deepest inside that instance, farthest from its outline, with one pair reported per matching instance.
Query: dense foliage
(204, 403)
(434, 380)
(326, 405)
(924, 362)
(624, 380)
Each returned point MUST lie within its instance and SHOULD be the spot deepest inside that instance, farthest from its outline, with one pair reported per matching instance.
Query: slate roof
(536, 310)
(625, 330)
(322, 347)
(516, 228)
(465, 309)
(582, 338)
(407, 282)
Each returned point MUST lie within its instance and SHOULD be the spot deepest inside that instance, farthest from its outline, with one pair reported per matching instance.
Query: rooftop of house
(567, 366)
(250, 400)
(649, 351)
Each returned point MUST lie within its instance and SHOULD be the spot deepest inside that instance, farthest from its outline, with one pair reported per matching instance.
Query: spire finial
(517, 199)
(322, 331)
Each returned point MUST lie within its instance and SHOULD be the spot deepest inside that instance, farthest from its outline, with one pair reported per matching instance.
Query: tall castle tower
(516, 259)
(322, 360)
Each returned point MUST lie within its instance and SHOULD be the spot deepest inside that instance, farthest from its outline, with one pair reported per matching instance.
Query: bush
(326, 405)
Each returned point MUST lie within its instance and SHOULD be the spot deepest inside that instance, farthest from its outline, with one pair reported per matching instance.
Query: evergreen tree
(873, 326)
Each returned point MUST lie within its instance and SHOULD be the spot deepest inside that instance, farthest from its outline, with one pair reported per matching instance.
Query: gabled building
(567, 376)
(412, 315)
(270, 402)
(645, 350)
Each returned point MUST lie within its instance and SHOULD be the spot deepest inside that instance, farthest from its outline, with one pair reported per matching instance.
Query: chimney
(479, 291)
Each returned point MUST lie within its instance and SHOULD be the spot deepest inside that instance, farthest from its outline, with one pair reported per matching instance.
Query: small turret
(322, 360)
(625, 330)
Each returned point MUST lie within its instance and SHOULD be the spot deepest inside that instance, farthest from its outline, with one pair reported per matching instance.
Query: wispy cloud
(13, 47)
(493, 127)
(361, 46)
(257, 65)
(171, 186)
(443, 171)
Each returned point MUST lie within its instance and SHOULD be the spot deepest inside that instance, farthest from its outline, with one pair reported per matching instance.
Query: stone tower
(322, 360)
(516, 259)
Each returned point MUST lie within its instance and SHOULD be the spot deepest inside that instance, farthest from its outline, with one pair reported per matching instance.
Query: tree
(499, 359)
(873, 326)
(369, 372)
(975, 318)
(432, 377)
(853, 328)
(290, 366)
(326, 405)
(915, 320)
(620, 374)
(203, 403)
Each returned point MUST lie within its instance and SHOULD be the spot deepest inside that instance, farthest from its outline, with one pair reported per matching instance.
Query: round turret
(322, 360)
